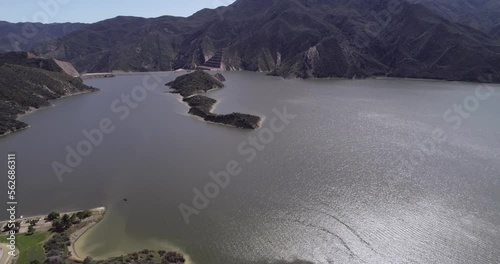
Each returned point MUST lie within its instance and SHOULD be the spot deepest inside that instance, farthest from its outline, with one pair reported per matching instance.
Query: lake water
(329, 188)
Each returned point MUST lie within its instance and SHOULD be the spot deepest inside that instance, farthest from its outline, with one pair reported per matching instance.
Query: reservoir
(362, 171)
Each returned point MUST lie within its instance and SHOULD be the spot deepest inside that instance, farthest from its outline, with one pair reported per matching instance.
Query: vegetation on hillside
(198, 81)
(190, 85)
(23, 87)
(29, 60)
(297, 38)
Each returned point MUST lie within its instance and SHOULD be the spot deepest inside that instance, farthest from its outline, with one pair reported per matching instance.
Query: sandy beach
(76, 232)
(42, 225)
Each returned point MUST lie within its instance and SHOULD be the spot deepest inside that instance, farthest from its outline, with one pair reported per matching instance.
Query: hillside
(24, 36)
(290, 38)
(483, 15)
(29, 83)
(123, 43)
(193, 83)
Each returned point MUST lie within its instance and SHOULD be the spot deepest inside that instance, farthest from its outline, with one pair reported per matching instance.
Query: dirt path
(77, 231)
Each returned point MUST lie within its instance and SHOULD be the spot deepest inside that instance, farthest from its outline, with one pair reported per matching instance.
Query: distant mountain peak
(350, 38)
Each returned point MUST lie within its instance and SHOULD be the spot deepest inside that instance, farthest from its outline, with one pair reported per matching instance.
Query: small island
(190, 86)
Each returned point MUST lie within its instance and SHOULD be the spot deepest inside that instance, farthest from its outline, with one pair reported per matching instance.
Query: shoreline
(77, 231)
(78, 234)
(25, 219)
(74, 232)
(194, 87)
(75, 235)
(14, 131)
(121, 73)
(32, 110)
(261, 121)
(413, 79)
(97, 75)
(89, 76)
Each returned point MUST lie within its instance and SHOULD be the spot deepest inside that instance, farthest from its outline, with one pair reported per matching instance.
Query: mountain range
(25, 36)
(438, 39)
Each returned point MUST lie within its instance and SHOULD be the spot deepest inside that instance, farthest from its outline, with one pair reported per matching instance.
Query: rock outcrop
(201, 106)
(193, 83)
(190, 85)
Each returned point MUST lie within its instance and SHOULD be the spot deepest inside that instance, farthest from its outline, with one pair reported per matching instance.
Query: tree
(52, 216)
(56, 222)
(61, 224)
(73, 219)
(66, 219)
(33, 222)
(35, 262)
(84, 214)
(16, 227)
(56, 248)
(173, 257)
(58, 226)
(31, 230)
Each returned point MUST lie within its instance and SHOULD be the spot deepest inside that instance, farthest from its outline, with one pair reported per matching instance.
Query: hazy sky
(49, 11)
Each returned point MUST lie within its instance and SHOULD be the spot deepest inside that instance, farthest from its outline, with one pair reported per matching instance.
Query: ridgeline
(446, 40)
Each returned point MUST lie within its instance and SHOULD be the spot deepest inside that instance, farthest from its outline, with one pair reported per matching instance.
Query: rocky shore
(190, 85)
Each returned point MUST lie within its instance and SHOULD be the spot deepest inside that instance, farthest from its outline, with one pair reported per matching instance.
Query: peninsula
(28, 82)
(190, 86)
(50, 239)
